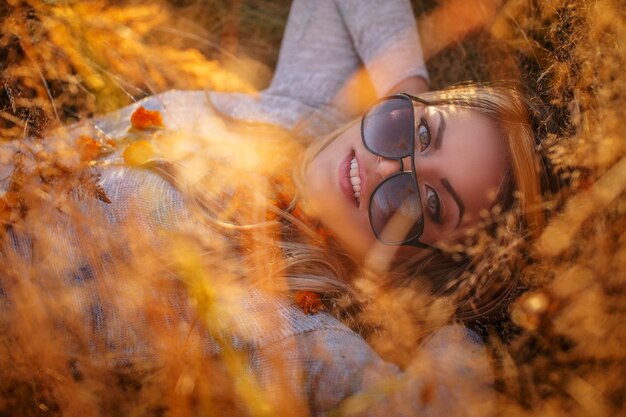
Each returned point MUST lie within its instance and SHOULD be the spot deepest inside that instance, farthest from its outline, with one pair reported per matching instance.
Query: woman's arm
(335, 371)
(327, 44)
(386, 38)
(413, 85)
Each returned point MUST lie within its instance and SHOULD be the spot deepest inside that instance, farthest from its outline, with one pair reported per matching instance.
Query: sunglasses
(395, 208)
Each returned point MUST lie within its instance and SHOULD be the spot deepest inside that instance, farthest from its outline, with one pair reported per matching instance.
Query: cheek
(321, 167)
(327, 202)
(314, 177)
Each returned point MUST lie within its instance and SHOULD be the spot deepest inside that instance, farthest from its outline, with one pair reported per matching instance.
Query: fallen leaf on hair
(88, 148)
(308, 301)
(143, 119)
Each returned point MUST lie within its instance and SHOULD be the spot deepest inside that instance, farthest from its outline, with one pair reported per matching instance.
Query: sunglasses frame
(415, 242)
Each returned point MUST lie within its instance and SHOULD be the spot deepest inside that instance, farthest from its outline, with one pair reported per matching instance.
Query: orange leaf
(308, 301)
(143, 119)
(88, 148)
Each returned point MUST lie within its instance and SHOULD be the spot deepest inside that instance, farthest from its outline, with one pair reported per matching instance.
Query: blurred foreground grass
(65, 60)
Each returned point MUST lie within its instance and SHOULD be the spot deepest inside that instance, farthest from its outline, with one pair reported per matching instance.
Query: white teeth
(355, 179)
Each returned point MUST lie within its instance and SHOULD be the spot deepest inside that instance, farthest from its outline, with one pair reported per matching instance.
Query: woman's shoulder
(274, 323)
(314, 357)
(273, 320)
(325, 363)
(270, 318)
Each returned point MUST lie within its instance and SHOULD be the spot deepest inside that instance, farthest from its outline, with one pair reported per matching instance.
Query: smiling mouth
(355, 179)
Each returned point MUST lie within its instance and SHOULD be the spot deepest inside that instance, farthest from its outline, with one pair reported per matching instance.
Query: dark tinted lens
(396, 210)
(388, 127)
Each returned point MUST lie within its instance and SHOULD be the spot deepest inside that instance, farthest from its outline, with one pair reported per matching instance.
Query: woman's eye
(433, 204)
(423, 135)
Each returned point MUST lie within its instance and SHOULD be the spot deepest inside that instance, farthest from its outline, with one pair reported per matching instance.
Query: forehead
(473, 155)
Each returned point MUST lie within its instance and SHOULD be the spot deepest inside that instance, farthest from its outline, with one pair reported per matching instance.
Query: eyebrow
(440, 130)
(456, 198)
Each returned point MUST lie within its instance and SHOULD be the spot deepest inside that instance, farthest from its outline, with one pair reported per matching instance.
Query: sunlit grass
(64, 61)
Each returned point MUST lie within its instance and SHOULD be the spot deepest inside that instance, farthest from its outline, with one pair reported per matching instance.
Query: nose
(387, 167)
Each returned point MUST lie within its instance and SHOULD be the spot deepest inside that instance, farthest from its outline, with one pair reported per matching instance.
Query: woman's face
(460, 161)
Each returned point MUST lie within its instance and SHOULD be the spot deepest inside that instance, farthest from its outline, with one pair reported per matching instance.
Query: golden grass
(65, 60)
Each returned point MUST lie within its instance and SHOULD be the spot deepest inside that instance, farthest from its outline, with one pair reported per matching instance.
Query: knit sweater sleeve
(386, 38)
(335, 371)
(326, 41)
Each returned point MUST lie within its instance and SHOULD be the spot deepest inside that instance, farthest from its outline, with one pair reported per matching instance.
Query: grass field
(64, 60)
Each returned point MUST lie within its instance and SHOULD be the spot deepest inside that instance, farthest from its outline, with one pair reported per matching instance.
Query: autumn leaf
(308, 301)
(143, 119)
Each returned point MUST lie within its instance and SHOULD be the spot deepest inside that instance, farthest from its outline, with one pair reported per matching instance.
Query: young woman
(182, 188)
